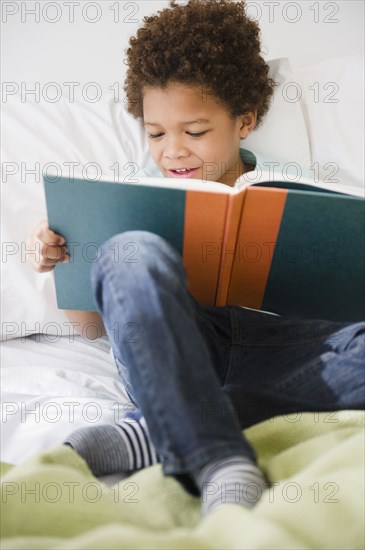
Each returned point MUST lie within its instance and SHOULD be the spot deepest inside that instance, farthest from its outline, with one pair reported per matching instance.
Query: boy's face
(209, 150)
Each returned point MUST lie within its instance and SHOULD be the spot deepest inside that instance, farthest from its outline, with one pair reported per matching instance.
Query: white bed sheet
(49, 389)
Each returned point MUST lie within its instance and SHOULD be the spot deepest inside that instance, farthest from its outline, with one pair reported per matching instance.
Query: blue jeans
(199, 374)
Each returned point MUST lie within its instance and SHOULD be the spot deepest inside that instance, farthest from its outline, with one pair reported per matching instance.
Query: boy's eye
(155, 136)
(197, 135)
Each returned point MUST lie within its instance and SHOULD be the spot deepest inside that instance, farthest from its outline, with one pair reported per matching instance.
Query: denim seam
(298, 374)
(273, 344)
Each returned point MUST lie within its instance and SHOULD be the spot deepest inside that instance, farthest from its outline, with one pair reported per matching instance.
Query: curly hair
(208, 43)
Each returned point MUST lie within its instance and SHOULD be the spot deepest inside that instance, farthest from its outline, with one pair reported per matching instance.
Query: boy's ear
(248, 123)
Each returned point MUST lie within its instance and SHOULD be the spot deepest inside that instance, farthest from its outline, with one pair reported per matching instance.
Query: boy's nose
(175, 148)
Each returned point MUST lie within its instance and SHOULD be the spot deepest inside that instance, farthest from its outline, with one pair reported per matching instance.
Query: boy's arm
(87, 323)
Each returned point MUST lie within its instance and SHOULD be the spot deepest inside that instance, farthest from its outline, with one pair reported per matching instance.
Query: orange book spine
(228, 252)
(204, 227)
(257, 235)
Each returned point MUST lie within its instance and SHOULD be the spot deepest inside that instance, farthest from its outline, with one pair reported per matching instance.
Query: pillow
(41, 136)
(282, 137)
(101, 138)
(332, 100)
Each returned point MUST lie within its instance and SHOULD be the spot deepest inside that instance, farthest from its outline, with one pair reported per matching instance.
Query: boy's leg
(282, 366)
(152, 322)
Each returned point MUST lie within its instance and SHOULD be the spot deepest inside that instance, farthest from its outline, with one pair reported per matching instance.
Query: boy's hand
(48, 247)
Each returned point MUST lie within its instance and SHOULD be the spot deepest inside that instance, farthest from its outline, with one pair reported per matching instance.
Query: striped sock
(233, 480)
(112, 448)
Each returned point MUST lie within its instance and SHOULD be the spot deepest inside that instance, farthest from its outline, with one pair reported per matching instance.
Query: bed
(54, 380)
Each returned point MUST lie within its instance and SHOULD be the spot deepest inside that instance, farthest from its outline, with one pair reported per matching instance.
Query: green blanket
(315, 463)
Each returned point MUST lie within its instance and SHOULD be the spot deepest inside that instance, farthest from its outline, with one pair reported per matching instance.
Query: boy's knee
(132, 247)
(135, 251)
(350, 339)
(136, 237)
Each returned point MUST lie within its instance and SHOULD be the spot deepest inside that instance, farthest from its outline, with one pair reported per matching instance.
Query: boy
(198, 375)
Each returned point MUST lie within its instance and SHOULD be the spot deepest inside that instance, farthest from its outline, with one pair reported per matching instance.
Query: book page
(274, 178)
(184, 184)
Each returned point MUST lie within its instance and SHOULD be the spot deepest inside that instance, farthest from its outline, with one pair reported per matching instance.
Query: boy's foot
(232, 480)
(113, 448)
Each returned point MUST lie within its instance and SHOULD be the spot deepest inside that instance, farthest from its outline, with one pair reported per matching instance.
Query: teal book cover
(88, 213)
(300, 254)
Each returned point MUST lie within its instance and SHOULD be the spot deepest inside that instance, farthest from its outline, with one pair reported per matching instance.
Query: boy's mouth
(182, 173)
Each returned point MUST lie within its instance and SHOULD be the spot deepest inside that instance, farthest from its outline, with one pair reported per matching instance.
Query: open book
(295, 249)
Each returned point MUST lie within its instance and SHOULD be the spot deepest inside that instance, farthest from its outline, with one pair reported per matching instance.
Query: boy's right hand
(48, 246)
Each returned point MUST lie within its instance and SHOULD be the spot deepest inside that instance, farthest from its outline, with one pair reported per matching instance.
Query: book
(294, 249)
